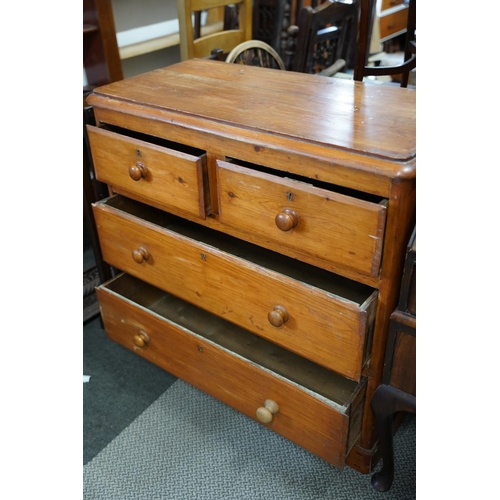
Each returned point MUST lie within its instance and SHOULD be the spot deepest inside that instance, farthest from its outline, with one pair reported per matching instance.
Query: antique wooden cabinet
(259, 219)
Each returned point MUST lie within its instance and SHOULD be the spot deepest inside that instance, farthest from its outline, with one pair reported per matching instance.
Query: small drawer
(393, 23)
(307, 404)
(389, 4)
(318, 315)
(320, 226)
(167, 175)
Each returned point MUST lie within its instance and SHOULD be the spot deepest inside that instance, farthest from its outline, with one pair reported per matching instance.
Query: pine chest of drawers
(258, 219)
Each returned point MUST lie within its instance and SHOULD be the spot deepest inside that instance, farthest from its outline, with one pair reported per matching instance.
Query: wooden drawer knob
(287, 219)
(278, 316)
(140, 255)
(265, 413)
(138, 171)
(141, 339)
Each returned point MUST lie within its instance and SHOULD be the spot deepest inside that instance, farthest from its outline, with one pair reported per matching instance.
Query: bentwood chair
(367, 12)
(197, 41)
(255, 53)
(325, 36)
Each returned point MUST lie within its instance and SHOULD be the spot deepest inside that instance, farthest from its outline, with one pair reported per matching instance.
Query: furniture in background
(393, 18)
(325, 38)
(401, 71)
(195, 44)
(255, 53)
(269, 24)
(102, 65)
(397, 393)
(271, 19)
(101, 59)
(97, 271)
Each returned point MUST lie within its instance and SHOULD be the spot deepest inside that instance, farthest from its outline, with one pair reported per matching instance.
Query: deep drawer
(321, 316)
(168, 178)
(309, 223)
(316, 409)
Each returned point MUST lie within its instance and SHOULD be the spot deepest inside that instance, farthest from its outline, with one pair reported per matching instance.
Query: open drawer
(320, 316)
(165, 174)
(310, 405)
(304, 218)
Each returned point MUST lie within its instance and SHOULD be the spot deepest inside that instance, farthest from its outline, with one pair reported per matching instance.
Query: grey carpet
(187, 445)
(121, 387)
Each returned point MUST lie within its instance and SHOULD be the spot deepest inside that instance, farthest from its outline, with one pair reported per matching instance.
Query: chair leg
(386, 401)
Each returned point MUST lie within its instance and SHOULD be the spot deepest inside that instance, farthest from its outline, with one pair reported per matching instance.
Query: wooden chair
(325, 38)
(255, 53)
(397, 392)
(195, 43)
(367, 11)
(271, 19)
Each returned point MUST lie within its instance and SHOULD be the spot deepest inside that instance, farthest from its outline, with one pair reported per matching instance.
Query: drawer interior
(337, 286)
(182, 148)
(332, 388)
(352, 193)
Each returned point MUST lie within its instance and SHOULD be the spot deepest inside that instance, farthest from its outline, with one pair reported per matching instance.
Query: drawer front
(303, 221)
(168, 179)
(303, 418)
(331, 331)
(388, 4)
(393, 23)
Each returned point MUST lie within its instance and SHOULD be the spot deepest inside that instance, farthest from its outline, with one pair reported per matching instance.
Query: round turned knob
(278, 316)
(140, 255)
(138, 171)
(265, 413)
(287, 219)
(141, 339)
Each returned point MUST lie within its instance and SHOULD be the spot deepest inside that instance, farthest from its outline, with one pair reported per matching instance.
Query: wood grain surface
(330, 330)
(174, 179)
(330, 226)
(373, 119)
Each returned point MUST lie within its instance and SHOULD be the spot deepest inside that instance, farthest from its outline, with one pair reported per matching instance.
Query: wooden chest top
(372, 120)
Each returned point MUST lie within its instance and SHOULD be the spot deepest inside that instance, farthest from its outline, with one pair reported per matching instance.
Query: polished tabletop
(375, 120)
